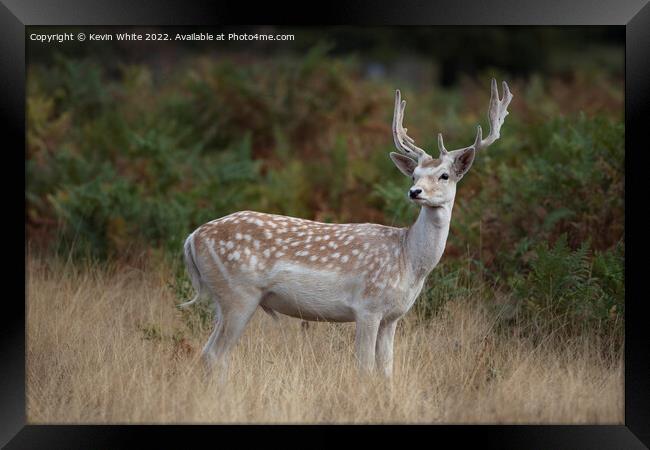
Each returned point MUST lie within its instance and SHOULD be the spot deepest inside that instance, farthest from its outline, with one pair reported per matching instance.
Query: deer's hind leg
(234, 310)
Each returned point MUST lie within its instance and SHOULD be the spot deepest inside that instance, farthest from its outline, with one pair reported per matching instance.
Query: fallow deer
(362, 272)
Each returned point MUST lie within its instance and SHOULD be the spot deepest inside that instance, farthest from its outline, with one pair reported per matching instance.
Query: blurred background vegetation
(131, 145)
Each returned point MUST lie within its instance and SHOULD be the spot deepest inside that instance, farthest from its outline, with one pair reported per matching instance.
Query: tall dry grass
(107, 345)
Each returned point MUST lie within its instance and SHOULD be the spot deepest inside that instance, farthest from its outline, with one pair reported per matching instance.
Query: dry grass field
(107, 345)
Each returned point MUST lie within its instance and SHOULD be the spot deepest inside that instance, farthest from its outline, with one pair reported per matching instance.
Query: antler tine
(441, 145)
(497, 112)
(403, 142)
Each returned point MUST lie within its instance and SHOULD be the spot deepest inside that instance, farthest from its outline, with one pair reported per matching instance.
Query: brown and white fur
(365, 273)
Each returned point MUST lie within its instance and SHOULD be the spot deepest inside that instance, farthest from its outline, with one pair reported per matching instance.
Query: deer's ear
(463, 161)
(405, 164)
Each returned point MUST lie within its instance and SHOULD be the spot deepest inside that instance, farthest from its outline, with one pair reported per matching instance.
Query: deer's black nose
(413, 193)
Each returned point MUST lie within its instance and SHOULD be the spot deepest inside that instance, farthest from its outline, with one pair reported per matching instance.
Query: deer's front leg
(384, 351)
(365, 340)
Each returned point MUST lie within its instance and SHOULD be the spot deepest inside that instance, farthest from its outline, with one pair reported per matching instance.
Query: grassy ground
(107, 345)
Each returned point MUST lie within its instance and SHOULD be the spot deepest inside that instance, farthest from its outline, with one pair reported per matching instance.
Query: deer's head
(435, 179)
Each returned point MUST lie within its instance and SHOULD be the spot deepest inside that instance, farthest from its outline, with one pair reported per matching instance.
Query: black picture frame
(633, 15)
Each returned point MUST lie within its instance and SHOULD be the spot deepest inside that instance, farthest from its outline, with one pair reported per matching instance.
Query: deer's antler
(497, 112)
(403, 142)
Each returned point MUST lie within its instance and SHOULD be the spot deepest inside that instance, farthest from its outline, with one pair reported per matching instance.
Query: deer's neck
(426, 239)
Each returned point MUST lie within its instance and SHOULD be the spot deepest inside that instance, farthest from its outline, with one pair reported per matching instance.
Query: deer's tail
(192, 270)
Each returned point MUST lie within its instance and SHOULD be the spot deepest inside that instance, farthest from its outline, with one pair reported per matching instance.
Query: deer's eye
(444, 176)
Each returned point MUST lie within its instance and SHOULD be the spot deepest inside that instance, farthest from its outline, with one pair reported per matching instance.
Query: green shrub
(569, 288)
(156, 202)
